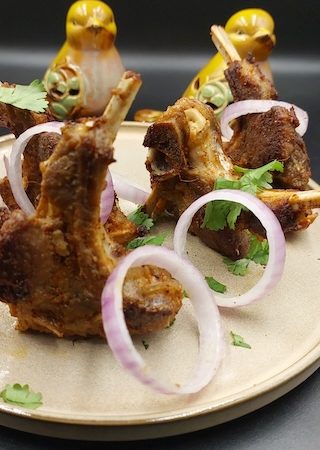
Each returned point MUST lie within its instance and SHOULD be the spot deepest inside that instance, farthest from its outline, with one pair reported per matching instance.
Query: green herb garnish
(222, 213)
(238, 341)
(238, 267)
(32, 97)
(21, 395)
(258, 252)
(140, 218)
(145, 344)
(151, 240)
(216, 285)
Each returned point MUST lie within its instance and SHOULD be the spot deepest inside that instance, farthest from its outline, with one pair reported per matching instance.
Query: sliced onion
(244, 107)
(129, 191)
(206, 312)
(14, 165)
(275, 236)
(107, 199)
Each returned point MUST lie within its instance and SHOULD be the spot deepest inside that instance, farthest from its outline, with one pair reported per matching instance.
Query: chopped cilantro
(151, 240)
(140, 218)
(222, 213)
(258, 252)
(17, 394)
(216, 285)
(32, 97)
(255, 180)
(238, 267)
(145, 344)
(238, 341)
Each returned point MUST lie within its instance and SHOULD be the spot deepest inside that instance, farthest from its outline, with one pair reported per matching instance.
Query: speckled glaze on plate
(86, 395)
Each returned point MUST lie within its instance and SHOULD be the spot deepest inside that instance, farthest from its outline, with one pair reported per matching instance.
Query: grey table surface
(291, 422)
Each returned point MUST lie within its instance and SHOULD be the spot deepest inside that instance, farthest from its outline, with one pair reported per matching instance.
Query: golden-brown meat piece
(246, 81)
(185, 159)
(261, 138)
(53, 265)
(18, 120)
(40, 147)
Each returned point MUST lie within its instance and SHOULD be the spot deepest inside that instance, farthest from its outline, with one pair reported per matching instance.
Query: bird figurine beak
(97, 26)
(265, 37)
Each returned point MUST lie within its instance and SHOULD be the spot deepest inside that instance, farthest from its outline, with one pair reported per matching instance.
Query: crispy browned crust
(246, 81)
(4, 215)
(6, 194)
(176, 186)
(39, 149)
(261, 138)
(54, 264)
(119, 228)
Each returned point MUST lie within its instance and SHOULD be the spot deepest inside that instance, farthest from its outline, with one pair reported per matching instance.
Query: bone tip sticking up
(224, 45)
(125, 91)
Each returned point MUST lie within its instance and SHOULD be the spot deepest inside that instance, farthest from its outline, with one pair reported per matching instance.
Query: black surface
(168, 42)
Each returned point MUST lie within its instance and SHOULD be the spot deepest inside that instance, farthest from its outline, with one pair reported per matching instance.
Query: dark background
(167, 42)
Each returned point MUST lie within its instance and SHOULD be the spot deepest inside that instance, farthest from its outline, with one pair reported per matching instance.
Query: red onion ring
(128, 190)
(14, 165)
(241, 108)
(277, 249)
(123, 188)
(107, 199)
(207, 314)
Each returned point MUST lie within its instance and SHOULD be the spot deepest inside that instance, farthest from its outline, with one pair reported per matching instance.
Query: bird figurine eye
(74, 22)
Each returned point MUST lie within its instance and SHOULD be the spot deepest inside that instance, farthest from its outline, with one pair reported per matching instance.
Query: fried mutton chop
(186, 158)
(53, 265)
(264, 137)
(38, 149)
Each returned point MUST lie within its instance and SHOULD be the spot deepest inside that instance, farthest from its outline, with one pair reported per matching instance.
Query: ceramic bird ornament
(251, 32)
(88, 66)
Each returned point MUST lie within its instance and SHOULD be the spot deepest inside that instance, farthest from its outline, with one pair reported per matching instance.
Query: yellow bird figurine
(251, 32)
(80, 79)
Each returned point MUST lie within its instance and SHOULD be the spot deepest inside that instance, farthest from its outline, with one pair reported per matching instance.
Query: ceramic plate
(86, 395)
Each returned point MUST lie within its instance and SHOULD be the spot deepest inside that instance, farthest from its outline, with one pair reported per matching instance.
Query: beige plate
(86, 395)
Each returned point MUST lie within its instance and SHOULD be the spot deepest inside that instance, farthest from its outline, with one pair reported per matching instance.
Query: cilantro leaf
(216, 285)
(238, 267)
(258, 250)
(151, 240)
(255, 180)
(145, 344)
(21, 395)
(238, 341)
(140, 218)
(32, 97)
(220, 213)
